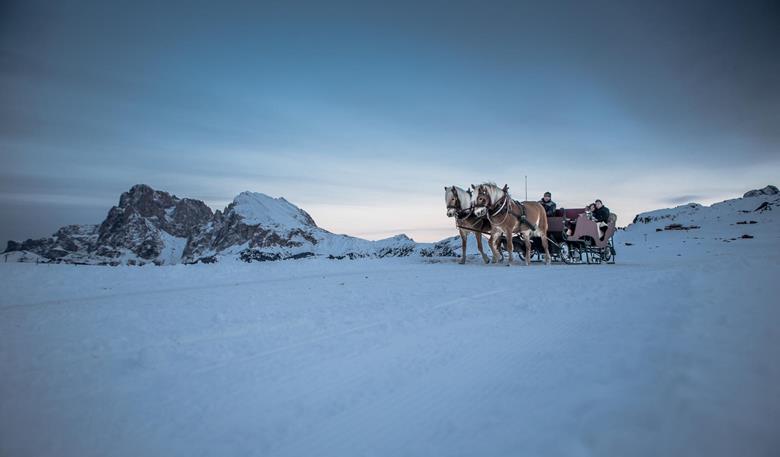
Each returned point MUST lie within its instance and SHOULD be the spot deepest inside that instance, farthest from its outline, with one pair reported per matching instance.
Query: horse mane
(464, 197)
(495, 192)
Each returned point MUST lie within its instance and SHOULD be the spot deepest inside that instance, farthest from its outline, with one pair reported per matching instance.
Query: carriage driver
(549, 205)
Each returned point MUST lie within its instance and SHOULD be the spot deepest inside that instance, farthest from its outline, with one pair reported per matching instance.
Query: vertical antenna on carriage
(526, 187)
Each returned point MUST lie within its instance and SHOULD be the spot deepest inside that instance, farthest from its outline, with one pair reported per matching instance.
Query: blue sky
(362, 112)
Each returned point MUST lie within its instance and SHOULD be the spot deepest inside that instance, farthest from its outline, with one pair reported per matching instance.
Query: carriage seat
(573, 213)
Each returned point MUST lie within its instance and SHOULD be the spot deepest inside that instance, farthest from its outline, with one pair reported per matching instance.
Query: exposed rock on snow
(768, 190)
(72, 242)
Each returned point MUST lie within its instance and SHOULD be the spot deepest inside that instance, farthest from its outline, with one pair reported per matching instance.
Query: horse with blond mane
(507, 217)
(459, 206)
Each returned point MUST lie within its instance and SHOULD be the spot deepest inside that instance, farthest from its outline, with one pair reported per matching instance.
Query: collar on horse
(506, 202)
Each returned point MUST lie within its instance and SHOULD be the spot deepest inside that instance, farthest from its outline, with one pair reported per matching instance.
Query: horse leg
(527, 239)
(479, 246)
(463, 242)
(546, 249)
(510, 248)
(493, 242)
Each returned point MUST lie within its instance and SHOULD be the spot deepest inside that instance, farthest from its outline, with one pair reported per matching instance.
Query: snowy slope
(742, 221)
(259, 209)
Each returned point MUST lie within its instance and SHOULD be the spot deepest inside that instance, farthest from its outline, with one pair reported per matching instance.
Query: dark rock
(766, 206)
(768, 190)
(679, 227)
(144, 216)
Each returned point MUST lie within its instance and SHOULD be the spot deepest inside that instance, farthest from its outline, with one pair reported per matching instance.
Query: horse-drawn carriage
(569, 235)
(573, 237)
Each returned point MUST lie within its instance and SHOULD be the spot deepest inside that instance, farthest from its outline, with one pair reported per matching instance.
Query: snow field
(658, 355)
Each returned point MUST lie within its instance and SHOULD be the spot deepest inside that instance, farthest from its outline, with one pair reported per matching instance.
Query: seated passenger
(549, 205)
(601, 216)
(601, 213)
(589, 210)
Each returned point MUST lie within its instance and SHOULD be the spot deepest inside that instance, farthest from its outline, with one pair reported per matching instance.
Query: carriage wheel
(567, 253)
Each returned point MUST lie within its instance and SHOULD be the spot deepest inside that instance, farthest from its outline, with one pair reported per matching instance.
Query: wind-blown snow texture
(672, 351)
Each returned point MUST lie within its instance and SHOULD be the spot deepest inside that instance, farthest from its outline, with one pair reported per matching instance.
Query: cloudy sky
(362, 112)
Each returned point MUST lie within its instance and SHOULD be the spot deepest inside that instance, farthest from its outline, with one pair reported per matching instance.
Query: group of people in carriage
(580, 235)
(595, 211)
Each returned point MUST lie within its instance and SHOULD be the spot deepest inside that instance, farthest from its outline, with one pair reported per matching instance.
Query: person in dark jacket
(549, 205)
(601, 216)
(602, 212)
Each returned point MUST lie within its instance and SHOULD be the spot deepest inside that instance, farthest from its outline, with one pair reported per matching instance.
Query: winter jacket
(601, 214)
(549, 207)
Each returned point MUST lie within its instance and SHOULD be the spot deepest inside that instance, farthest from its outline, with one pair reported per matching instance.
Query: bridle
(501, 204)
(459, 212)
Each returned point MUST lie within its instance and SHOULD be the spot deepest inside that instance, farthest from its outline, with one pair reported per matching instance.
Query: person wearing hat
(549, 205)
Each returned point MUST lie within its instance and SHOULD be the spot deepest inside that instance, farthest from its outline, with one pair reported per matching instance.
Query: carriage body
(585, 244)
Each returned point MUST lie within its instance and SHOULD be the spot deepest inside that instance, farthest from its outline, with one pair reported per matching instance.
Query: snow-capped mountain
(745, 218)
(151, 226)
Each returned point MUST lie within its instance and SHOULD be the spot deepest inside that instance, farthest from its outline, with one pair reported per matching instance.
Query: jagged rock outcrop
(145, 220)
(147, 226)
(768, 190)
(73, 242)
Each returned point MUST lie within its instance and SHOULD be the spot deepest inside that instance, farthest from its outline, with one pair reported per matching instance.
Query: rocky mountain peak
(144, 217)
(768, 190)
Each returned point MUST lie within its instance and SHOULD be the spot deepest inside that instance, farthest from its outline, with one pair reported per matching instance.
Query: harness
(521, 216)
(462, 216)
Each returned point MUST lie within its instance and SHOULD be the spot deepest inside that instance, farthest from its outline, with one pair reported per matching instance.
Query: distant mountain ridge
(152, 226)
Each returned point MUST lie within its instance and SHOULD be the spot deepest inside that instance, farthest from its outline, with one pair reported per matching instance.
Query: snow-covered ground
(672, 351)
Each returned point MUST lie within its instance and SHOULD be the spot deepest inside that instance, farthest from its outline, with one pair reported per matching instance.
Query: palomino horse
(459, 206)
(508, 217)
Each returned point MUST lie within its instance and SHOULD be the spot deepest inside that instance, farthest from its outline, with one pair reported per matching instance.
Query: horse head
(487, 194)
(452, 197)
